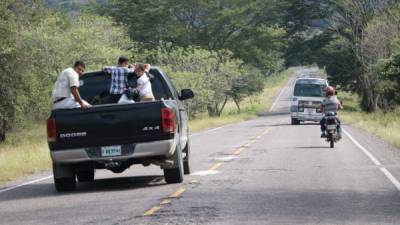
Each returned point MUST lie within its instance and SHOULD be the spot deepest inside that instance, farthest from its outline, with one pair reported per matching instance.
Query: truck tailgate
(108, 125)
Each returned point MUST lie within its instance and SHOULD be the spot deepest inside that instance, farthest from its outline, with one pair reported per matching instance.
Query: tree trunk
(212, 112)
(223, 106)
(237, 104)
(369, 99)
(2, 131)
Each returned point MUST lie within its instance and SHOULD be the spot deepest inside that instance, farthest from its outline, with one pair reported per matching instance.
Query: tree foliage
(36, 44)
(215, 76)
(249, 29)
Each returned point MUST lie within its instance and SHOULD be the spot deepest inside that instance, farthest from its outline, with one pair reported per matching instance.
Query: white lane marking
(390, 176)
(205, 173)
(280, 95)
(24, 184)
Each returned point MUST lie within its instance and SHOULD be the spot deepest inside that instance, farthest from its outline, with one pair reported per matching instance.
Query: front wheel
(332, 143)
(175, 175)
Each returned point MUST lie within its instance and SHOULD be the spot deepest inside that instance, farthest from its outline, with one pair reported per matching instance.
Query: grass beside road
(25, 150)
(383, 125)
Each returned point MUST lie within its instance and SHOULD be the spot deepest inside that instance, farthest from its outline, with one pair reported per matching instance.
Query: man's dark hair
(122, 60)
(79, 63)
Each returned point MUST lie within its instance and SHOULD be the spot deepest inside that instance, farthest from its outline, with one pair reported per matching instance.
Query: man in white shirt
(65, 93)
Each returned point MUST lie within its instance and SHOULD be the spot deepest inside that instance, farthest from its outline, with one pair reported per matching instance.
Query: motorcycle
(332, 128)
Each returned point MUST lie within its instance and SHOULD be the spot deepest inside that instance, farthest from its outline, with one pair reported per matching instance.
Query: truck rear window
(309, 90)
(95, 87)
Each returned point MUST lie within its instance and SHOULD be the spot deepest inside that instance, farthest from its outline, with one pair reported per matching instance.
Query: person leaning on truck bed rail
(119, 78)
(65, 93)
(143, 82)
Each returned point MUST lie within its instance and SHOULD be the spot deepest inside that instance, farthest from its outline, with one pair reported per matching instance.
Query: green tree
(249, 29)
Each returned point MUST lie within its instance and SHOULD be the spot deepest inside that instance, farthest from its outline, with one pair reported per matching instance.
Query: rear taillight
(167, 117)
(51, 130)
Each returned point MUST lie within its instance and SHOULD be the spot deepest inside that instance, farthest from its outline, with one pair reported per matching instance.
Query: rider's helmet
(330, 91)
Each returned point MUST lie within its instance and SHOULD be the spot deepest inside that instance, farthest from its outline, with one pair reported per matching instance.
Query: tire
(175, 175)
(295, 121)
(85, 176)
(186, 160)
(65, 184)
(332, 143)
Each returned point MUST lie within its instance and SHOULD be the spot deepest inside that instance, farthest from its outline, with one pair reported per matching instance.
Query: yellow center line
(266, 131)
(216, 166)
(166, 201)
(177, 193)
(152, 211)
(237, 152)
(180, 191)
(247, 145)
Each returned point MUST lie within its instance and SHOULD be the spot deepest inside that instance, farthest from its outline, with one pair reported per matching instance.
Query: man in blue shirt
(119, 78)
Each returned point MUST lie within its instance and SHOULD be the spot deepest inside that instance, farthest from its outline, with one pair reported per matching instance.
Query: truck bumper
(143, 150)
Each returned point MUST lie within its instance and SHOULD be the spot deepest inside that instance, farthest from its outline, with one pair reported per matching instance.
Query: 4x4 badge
(151, 128)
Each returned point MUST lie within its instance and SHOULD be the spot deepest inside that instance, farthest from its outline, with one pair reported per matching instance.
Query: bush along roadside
(385, 125)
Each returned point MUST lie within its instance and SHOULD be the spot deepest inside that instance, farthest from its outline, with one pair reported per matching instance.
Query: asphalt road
(263, 171)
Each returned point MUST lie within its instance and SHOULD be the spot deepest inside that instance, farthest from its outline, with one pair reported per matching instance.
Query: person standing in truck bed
(65, 93)
(119, 78)
(143, 82)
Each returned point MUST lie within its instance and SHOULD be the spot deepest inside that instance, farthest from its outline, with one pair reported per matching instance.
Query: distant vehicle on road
(116, 136)
(308, 95)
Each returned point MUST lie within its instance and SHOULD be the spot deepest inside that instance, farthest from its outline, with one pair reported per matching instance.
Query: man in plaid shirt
(119, 78)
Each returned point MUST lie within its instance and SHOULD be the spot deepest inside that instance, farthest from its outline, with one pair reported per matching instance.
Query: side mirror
(186, 94)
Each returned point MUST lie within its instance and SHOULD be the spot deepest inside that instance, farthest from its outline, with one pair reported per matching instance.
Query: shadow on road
(312, 147)
(40, 190)
(269, 114)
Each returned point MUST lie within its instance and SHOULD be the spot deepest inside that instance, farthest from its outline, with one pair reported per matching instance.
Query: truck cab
(308, 94)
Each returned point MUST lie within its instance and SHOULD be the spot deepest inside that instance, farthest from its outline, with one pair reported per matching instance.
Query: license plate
(331, 127)
(309, 111)
(111, 151)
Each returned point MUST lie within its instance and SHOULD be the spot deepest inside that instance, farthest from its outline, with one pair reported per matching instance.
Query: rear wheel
(64, 178)
(85, 176)
(186, 159)
(295, 121)
(175, 175)
(65, 184)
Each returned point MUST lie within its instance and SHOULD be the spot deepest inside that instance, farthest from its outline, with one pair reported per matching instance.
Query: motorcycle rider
(330, 104)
